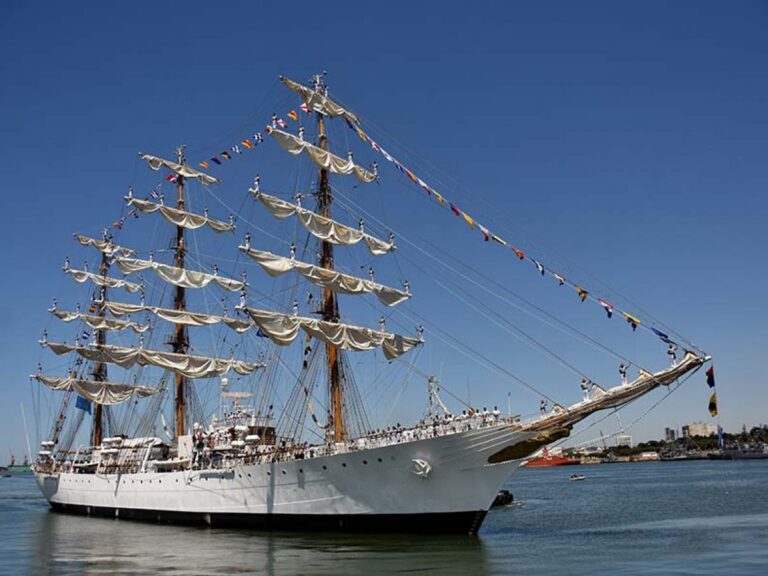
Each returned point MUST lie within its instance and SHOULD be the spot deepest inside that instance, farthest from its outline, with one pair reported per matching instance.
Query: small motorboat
(577, 477)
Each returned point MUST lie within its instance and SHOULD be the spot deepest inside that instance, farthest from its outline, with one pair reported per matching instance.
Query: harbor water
(697, 517)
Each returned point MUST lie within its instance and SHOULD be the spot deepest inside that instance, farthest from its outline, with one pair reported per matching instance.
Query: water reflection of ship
(551, 458)
(88, 545)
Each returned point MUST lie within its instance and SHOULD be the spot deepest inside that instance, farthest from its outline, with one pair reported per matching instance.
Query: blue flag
(83, 404)
(711, 377)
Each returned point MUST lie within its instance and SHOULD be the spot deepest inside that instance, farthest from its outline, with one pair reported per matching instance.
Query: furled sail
(82, 276)
(107, 393)
(276, 265)
(179, 316)
(321, 157)
(99, 322)
(181, 169)
(319, 102)
(178, 276)
(322, 227)
(107, 246)
(185, 364)
(283, 329)
(180, 217)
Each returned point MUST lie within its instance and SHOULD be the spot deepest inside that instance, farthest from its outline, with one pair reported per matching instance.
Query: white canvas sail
(178, 276)
(107, 246)
(106, 393)
(180, 316)
(283, 329)
(180, 217)
(81, 276)
(319, 102)
(185, 364)
(181, 169)
(99, 322)
(322, 158)
(276, 265)
(322, 227)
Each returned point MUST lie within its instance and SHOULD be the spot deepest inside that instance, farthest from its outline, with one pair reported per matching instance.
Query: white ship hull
(367, 490)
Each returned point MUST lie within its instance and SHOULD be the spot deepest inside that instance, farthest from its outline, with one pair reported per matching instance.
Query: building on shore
(670, 434)
(624, 440)
(699, 429)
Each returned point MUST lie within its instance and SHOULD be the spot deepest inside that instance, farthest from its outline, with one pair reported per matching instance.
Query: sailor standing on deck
(671, 352)
(543, 406)
(585, 385)
(623, 373)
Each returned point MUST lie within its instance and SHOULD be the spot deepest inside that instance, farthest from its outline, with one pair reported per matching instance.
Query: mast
(100, 368)
(330, 308)
(179, 342)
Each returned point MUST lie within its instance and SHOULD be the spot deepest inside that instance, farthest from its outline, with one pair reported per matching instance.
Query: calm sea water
(655, 518)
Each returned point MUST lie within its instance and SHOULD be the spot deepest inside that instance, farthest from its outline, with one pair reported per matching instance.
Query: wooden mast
(330, 307)
(100, 368)
(179, 342)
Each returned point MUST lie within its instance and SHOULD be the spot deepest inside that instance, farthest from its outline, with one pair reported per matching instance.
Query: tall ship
(215, 369)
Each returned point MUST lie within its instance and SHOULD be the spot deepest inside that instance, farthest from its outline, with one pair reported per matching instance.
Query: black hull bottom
(437, 523)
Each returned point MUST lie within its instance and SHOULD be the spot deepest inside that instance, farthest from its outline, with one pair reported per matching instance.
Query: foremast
(330, 307)
(179, 342)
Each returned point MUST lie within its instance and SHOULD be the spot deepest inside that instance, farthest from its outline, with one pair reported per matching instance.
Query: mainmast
(100, 368)
(330, 308)
(179, 341)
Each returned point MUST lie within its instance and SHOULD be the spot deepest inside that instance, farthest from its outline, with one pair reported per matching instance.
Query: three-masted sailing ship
(251, 461)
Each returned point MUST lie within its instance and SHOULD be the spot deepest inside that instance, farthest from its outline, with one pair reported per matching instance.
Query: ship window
(269, 473)
(343, 464)
(365, 461)
(380, 460)
(325, 467)
(301, 470)
(283, 471)
(249, 474)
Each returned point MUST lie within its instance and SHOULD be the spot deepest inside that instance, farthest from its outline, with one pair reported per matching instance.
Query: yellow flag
(469, 220)
(713, 404)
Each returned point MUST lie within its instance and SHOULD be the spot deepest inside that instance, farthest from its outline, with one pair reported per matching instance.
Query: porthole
(380, 460)
(283, 471)
(343, 464)
(301, 470)
(365, 461)
(325, 467)
(249, 474)
(269, 473)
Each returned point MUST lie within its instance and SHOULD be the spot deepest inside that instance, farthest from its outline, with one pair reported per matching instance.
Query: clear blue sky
(624, 140)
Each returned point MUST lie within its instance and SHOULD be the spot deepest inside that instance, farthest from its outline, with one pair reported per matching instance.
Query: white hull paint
(379, 481)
